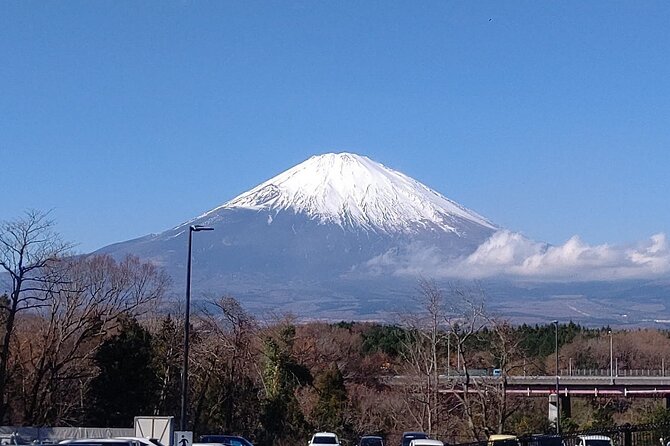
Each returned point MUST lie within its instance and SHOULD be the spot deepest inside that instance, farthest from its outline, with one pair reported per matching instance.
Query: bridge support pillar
(566, 409)
(553, 408)
(667, 401)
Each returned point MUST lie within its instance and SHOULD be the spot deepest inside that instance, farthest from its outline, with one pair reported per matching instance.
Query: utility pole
(611, 356)
(558, 403)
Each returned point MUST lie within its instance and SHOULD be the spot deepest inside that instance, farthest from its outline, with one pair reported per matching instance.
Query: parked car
(594, 440)
(407, 437)
(371, 440)
(229, 440)
(503, 440)
(324, 438)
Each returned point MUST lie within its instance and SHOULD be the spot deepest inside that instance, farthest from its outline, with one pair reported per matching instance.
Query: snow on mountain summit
(353, 191)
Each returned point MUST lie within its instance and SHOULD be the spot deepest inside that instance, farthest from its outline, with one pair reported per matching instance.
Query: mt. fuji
(354, 192)
(340, 236)
(322, 230)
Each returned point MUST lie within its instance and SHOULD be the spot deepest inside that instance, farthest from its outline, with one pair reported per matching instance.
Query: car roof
(426, 442)
(326, 434)
(101, 440)
(502, 437)
(223, 439)
(96, 442)
(85, 441)
(594, 437)
(371, 436)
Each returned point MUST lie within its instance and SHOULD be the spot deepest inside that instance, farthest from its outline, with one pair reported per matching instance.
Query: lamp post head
(554, 322)
(197, 228)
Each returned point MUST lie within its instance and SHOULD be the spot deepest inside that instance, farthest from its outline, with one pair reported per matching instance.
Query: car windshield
(371, 442)
(546, 441)
(215, 439)
(324, 439)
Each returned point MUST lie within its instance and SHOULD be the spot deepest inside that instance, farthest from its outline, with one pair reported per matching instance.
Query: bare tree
(27, 246)
(457, 318)
(482, 398)
(639, 349)
(223, 354)
(74, 317)
(425, 337)
(506, 355)
(465, 319)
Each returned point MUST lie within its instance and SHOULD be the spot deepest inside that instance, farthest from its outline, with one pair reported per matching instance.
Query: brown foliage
(56, 342)
(633, 350)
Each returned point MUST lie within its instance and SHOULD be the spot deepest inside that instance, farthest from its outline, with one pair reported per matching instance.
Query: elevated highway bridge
(626, 386)
(568, 386)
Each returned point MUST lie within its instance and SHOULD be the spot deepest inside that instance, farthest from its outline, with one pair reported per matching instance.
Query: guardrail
(619, 372)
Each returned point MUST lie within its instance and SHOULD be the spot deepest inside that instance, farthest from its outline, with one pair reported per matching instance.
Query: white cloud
(413, 260)
(654, 256)
(509, 254)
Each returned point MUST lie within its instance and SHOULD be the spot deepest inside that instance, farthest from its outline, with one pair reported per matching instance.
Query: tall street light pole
(558, 405)
(187, 324)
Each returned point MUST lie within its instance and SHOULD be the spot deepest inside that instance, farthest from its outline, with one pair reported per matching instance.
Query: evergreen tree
(282, 417)
(127, 384)
(384, 338)
(330, 409)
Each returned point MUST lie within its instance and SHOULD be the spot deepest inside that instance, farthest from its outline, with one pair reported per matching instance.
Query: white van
(425, 442)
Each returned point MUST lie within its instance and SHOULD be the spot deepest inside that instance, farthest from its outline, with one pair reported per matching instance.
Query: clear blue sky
(125, 118)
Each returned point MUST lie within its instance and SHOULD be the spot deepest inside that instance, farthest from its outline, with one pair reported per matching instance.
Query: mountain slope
(327, 224)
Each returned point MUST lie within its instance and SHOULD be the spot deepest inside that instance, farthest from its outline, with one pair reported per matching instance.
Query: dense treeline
(84, 344)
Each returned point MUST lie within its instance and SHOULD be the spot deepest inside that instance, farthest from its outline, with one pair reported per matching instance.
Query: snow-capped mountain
(331, 228)
(354, 192)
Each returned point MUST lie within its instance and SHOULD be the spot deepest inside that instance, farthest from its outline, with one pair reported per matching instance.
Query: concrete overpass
(626, 386)
(568, 386)
(642, 386)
